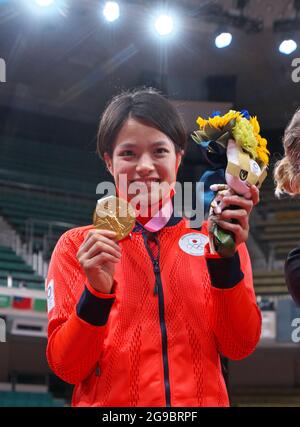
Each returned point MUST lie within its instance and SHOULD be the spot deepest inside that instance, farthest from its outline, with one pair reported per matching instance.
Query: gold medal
(115, 214)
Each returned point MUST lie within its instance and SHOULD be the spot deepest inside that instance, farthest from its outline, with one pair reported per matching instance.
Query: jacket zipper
(158, 290)
(98, 370)
(97, 375)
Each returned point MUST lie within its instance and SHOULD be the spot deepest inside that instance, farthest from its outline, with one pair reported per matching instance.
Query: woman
(143, 322)
(287, 178)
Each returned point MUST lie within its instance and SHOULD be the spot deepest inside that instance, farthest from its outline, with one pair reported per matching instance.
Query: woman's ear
(108, 162)
(179, 159)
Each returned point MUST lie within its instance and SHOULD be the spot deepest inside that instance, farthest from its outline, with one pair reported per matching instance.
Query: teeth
(148, 180)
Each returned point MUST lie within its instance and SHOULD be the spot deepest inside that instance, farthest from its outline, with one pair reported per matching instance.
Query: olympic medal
(115, 214)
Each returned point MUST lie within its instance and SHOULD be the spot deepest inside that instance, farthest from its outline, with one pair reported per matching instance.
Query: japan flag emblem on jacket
(193, 243)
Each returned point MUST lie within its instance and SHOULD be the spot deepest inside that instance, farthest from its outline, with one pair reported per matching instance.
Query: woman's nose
(145, 164)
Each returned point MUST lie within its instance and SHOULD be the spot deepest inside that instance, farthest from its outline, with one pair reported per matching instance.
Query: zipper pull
(98, 370)
(156, 271)
(156, 266)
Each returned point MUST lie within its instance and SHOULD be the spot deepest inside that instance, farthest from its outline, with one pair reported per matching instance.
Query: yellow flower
(244, 136)
(255, 124)
(262, 141)
(201, 122)
(261, 150)
(245, 132)
(218, 122)
(263, 155)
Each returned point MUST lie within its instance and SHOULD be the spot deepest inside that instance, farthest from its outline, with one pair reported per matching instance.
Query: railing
(37, 259)
(47, 241)
(22, 292)
(9, 237)
(48, 193)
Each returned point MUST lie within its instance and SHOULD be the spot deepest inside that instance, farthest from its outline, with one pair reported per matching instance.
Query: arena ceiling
(69, 64)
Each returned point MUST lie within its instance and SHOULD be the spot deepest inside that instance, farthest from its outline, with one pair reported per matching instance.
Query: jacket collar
(174, 220)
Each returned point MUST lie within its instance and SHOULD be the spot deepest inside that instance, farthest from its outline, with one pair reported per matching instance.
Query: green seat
(10, 257)
(40, 305)
(6, 250)
(28, 399)
(18, 277)
(30, 285)
(18, 267)
(42, 215)
(5, 301)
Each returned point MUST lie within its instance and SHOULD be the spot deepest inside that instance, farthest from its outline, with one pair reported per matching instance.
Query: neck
(159, 219)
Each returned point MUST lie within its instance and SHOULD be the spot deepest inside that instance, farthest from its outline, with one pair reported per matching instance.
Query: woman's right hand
(98, 255)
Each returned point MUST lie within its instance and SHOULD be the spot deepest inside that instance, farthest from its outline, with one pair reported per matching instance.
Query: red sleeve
(69, 336)
(236, 316)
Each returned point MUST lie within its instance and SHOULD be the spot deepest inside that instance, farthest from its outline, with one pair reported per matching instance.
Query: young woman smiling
(143, 322)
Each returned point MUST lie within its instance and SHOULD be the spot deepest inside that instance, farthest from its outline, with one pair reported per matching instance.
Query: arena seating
(44, 191)
(49, 165)
(266, 397)
(28, 399)
(22, 275)
(278, 229)
(43, 218)
(269, 282)
(11, 264)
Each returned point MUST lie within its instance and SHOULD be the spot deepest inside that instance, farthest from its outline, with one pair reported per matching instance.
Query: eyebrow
(132, 144)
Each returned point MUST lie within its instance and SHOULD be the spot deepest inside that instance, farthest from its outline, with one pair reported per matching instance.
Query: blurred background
(60, 63)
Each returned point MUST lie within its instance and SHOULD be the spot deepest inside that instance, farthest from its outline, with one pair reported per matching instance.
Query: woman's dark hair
(147, 105)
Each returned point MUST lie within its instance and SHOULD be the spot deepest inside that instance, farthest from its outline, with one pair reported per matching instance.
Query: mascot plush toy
(237, 157)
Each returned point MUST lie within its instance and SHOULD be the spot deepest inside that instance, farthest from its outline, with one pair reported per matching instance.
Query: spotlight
(45, 9)
(287, 47)
(164, 25)
(223, 40)
(111, 11)
(44, 3)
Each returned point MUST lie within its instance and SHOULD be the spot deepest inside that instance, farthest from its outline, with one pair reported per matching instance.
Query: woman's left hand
(245, 206)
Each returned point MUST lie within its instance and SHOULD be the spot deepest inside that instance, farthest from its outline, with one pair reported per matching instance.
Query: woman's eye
(126, 153)
(162, 150)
